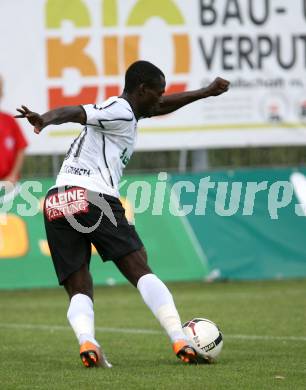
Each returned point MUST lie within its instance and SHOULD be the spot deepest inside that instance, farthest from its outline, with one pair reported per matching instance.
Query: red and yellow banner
(78, 50)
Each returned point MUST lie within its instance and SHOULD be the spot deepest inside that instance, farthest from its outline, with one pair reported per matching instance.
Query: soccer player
(83, 207)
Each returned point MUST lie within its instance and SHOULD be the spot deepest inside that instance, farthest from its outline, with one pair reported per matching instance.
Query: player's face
(151, 97)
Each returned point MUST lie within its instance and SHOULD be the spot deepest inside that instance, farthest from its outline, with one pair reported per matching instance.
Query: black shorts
(75, 218)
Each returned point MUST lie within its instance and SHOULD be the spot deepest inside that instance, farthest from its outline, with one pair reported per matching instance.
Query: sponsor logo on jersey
(124, 157)
(76, 171)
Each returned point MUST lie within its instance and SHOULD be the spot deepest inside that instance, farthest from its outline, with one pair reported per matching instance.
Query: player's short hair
(141, 72)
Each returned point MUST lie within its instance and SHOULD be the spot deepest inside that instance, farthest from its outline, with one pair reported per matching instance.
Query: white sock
(159, 299)
(81, 318)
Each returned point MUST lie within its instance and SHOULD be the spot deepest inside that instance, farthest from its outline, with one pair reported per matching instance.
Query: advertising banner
(25, 256)
(231, 225)
(250, 223)
(76, 52)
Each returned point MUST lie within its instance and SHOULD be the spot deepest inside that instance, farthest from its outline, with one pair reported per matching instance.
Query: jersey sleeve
(110, 118)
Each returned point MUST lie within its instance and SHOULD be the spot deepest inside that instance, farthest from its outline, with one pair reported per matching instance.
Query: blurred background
(76, 52)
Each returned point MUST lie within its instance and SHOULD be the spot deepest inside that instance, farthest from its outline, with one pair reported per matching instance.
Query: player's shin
(159, 299)
(81, 318)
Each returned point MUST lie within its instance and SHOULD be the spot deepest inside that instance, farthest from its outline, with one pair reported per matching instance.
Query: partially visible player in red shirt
(12, 145)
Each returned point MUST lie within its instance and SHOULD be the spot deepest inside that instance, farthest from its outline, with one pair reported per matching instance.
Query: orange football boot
(92, 356)
(185, 352)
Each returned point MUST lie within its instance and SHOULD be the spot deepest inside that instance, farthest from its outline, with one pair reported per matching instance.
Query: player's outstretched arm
(54, 117)
(170, 103)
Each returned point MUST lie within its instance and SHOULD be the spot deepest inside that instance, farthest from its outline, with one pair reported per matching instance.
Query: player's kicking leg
(159, 300)
(81, 318)
(71, 253)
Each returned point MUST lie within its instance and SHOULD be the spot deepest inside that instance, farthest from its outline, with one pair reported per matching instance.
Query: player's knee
(74, 289)
(134, 266)
(144, 254)
(139, 269)
(79, 282)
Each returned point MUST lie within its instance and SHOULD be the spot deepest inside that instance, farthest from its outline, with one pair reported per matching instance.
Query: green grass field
(264, 326)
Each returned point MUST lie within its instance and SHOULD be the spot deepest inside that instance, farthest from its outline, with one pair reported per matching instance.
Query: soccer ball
(205, 337)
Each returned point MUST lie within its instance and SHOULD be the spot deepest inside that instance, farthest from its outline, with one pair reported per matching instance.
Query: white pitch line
(52, 328)
(265, 337)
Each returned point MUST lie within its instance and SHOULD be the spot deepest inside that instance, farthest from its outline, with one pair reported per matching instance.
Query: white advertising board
(76, 51)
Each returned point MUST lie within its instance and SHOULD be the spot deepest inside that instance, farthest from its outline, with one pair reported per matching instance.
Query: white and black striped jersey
(96, 158)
